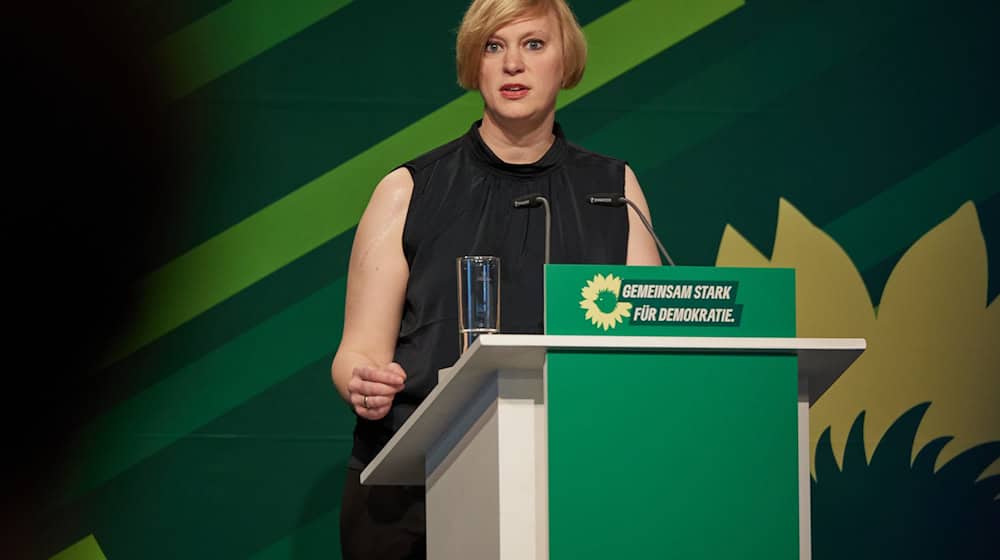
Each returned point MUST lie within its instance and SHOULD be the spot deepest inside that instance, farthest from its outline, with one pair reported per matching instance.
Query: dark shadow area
(87, 180)
(989, 221)
(892, 507)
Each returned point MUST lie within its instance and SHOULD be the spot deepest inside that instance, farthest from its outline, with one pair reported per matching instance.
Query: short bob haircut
(484, 17)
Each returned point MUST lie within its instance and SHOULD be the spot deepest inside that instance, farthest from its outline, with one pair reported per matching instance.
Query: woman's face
(522, 68)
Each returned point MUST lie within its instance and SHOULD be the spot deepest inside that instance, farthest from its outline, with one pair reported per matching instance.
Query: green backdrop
(223, 437)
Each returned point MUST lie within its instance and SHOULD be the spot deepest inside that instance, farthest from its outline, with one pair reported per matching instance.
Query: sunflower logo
(600, 299)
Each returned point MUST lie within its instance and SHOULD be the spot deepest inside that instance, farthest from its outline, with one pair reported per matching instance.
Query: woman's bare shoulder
(392, 194)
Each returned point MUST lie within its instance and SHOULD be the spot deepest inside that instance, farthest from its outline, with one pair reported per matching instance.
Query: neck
(519, 141)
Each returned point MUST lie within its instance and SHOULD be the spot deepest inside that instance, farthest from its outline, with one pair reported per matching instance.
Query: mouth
(514, 91)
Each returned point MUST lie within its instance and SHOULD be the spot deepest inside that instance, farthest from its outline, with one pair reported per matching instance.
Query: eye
(534, 44)
(493, 47)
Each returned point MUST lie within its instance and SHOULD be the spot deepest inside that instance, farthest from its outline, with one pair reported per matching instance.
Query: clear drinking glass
(478, 298)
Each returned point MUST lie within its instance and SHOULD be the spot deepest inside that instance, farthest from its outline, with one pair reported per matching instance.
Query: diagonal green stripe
(726, 91)
(232, 35)
(85, 549)
(332, 203)
(893, 220)
(652, 27)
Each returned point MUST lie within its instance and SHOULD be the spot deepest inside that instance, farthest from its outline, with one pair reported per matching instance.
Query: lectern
(678, 443)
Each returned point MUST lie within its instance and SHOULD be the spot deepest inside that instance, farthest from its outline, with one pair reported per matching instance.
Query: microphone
(615, 200)
(534, 200)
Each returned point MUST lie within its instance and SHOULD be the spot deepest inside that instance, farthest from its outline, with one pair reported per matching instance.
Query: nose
(513, 62)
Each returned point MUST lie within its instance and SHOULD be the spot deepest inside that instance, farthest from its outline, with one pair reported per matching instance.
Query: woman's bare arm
(641, 247)
(376, 286)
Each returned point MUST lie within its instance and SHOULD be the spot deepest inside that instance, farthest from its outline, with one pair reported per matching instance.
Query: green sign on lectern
(669, 301)
(671, 454)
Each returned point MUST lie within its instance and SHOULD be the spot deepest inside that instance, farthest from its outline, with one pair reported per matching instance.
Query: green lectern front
(672, 454)
(664, 414)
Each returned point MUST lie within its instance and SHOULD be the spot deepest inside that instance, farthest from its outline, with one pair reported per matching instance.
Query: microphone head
(613, 200)
(532, 200)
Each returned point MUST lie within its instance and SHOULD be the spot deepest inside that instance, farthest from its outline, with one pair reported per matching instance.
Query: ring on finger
(364, 401)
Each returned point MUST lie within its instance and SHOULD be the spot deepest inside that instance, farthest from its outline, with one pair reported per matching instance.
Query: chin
(517, 113)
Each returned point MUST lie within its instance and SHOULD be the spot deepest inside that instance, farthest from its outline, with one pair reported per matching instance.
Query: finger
(371, 388)
(372, 402)
(395, 372)
(372, 413)
(397, 369)
(391, 374)
(379, 413)
(380, 376)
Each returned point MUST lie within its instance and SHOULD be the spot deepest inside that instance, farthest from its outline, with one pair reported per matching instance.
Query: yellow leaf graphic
(934, 338)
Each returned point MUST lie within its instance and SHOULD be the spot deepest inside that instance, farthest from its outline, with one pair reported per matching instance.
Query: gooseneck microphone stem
(616, 200)
(649, 228)
(534, 201)
(548, 227)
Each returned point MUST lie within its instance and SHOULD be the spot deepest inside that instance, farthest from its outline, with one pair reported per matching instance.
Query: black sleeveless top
(461, 205)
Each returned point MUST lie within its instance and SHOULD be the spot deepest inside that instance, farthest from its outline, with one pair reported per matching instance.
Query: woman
(401, 320)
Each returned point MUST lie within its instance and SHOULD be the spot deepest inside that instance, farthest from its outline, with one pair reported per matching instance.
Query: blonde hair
(484, 17)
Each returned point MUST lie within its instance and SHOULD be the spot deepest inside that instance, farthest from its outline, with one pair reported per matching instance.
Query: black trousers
(382, 522)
